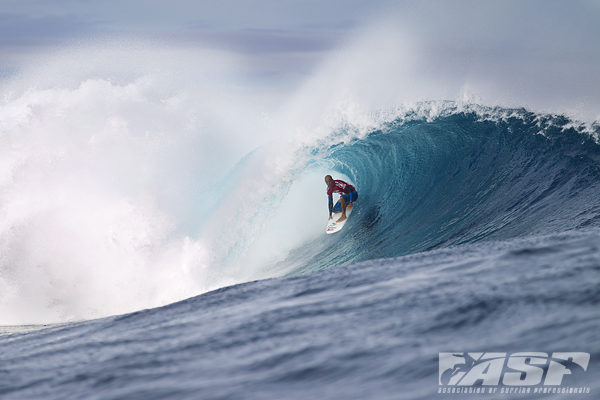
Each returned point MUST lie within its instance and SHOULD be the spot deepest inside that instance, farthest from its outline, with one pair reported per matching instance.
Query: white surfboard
(333, 226)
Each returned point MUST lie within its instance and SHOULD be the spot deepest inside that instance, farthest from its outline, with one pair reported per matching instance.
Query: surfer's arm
(330, 206)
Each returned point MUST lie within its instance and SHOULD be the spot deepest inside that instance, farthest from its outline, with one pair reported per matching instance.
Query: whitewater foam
(103, 184)
(119, 185)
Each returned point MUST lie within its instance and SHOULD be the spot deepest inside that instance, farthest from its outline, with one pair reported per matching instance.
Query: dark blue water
(474, 232)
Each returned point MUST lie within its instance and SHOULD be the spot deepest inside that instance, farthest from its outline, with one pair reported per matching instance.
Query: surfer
(347, 195)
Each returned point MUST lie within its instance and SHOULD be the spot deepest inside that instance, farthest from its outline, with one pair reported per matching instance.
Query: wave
(116, 197)
(443, 176)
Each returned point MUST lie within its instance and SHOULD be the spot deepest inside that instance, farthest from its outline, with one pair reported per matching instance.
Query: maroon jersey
(340, 187)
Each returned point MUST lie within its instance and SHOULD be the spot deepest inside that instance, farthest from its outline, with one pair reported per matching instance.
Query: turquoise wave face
(463, 178)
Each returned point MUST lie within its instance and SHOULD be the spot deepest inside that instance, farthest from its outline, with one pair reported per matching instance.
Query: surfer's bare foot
(342, 218)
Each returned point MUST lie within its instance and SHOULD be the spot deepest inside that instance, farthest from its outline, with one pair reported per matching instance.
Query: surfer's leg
(343, 203)
(337, 207)
(353, 196)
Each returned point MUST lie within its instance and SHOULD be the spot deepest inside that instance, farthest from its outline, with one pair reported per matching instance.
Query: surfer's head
(328, 180)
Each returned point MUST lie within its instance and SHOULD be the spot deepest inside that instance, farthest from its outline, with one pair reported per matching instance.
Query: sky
(247, 27)
(539, 53)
